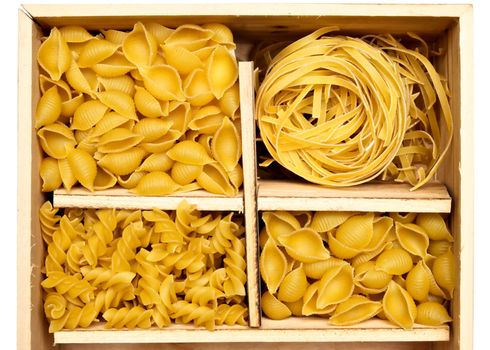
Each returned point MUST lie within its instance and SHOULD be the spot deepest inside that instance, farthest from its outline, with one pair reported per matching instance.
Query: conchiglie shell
(131, 180)
(370, 280)
(189, 36)
(437, 248)
(69, 107)
(66, 173)
(280, 223)
(354, 310)
(304, 245)
(152, 128)
(161, 33)
(324, 221)
(434, 288)
(444, 271)
(399, 307)
(207, 120)
(293, 287)
(356, 232)
(107, 123)
(363, 257)
(180, 114)
(123, 83)
(148, 105)
(382, 227)
(336, 286)
(226, 145)
(162, 144)
(273, 266)
(229, 103)
(310, 302)
(434, 225)
(184, 174)
(118, 140)
(81, 79)
(189, 152)
(296, 308)
(273, 308)
(432, 314)
(115, 36)
(222, 71)
(156, 183)
(54, 55)
(75, 34)
(47, 83)
(181, 59)
(87, 144)
(140, 46)
(50, 174)
(163, 82)
(222, 34)
(55, 138)
(156, 162)
(95, 51)
(236, 176)
(119, 102)
(340, 250)
(214, 179)
(418, 283)
(83, 166)
(317, 269)
(88, 114)
(48, 109)
(404, 219)
(114, 66)
(196, 88)
(412, 238)
(104, 180)
(204, 52)
(122, 163)
(394, 261)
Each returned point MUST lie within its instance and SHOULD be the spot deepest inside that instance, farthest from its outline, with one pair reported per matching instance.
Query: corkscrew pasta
(138, 269)
(340, 111)
(154, 110)
(351, 267)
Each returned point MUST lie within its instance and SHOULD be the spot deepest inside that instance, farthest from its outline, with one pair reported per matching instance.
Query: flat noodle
(340, 111)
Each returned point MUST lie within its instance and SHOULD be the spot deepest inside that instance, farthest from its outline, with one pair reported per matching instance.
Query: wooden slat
(249, 161)
(123, 199)
(289, 330)
(377, 197)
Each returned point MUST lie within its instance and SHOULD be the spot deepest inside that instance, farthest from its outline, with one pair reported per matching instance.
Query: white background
(8, 139)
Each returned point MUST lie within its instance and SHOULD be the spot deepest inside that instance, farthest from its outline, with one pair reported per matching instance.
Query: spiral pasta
(340, 111)
(119, 106)
(351, 267)
(143, 268)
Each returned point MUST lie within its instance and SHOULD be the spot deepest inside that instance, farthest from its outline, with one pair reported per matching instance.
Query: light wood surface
(123, 199)
(289, 195)
(249, 162)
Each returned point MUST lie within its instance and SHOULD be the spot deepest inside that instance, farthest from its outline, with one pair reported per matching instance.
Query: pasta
(349, 267)
(142, 269)
(152, 99)
(341, 111)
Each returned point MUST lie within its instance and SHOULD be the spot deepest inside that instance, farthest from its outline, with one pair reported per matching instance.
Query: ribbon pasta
(340, 111)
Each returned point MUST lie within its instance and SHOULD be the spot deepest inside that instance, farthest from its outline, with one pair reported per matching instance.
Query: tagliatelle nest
(341, 111)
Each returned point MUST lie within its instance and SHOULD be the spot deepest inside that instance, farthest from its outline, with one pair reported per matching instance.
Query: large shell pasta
(134, 269)
(145, 100)
(350, 267)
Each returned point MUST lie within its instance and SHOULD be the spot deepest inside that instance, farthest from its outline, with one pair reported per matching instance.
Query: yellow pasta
(140, 46)
(49, 108)
(432, 314)
(88, 115)
(435, 226)
(336, 285)
(54, 56)
(152, 129)
(148, 105)
(122, 163)
(75, 34)
(305, 245)
(83, 166)
(95, 51)
(398, 306)
(184, 174)
(50, 174)
(293, 286)
(274, 308)
(354, 310)
(182, 59)
(163, 82)
(444, 270)
(55, 139)
(412, 238)
(418, 282)
(226, 145)
(196, 88)
(123, 83)
(119, 102)
(222, 71)
(273, 266)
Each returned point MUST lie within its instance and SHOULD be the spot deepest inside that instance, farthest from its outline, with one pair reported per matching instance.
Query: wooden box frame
(448, 26)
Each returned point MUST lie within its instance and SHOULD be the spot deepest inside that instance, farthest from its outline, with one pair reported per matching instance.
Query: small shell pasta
(54, 55)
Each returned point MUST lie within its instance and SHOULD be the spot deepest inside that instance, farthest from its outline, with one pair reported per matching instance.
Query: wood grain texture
(249, 162)
(123, 199)
(378, 197)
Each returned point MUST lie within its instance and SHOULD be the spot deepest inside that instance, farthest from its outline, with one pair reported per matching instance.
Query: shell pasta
(142, 269)
(350, 267)
(114, 104)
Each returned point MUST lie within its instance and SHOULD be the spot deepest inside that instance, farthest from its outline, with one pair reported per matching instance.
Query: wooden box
(447, 26)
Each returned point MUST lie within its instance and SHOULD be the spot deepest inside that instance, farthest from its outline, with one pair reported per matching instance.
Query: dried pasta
(142, 269)
(349, 267)
(152, 99)
(340, 111)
